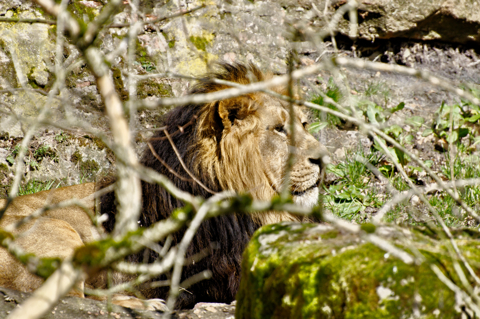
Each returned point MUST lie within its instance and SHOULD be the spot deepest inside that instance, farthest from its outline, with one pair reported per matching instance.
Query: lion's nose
(319, 156)
(316, 161)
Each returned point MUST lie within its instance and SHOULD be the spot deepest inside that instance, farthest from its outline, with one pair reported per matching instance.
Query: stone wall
(263, 32)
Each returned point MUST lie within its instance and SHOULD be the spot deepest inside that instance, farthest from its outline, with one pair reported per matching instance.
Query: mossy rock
(317, 271)
(153, 88)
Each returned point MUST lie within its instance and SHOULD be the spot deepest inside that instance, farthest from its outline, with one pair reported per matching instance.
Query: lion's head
(239, 144)
(242, 144)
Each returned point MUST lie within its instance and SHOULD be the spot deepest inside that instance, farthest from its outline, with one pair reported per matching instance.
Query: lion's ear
(235, 109)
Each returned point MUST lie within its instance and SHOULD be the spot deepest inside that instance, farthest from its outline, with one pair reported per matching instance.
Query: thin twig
(165, 164)
(19, 20)
(172, 16)
(184, 166)
(187, 238)
(399, 69)
(56, 286)
(232, 92)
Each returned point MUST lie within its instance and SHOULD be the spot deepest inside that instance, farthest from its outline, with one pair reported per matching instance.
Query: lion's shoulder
(24, 205)
(76, 217)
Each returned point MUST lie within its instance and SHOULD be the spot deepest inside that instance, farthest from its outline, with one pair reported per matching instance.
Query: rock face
(445, 20)
(316, 271)
(263, 32)
(84, 308)
(72, 307)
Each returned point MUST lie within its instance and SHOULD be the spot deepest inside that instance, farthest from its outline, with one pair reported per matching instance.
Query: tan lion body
(57, 233)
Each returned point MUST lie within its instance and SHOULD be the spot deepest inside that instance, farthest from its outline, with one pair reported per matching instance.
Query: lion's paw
(136, 303)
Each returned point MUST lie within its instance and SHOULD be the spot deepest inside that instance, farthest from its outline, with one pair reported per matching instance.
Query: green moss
(4, 235)
(368, 228)
(170, 39)
(82, 12)
(8, 69)
(153, 88)
(93, 254)
(119, 86)
(89, 167)
(183, 213)
(62, 137)
(47, 266)
(329, 234)
(39, 10)
(45, 151)
(147, 63)
(76, 157)
(78, 73)
(4, 136)
(199, 42)
(294, 271)
(99, 143)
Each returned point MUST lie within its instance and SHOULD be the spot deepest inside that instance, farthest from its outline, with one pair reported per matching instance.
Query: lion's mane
(223, 157)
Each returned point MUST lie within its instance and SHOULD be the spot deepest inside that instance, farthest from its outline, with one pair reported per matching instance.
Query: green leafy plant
(464, 119)
(11, 157)
(35, 186)
(45, 151)
(148, 66)
(39, 154)
(379, 116)
(61, 137)
(333, 92)
(348, 197)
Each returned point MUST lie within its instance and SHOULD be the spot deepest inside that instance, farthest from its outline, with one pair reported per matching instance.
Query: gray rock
(72, 307)
(84, 308)
(445, 20)
(318, 271)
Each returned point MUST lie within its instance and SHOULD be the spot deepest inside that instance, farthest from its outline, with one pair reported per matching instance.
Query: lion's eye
(280, 129)
(305, 125)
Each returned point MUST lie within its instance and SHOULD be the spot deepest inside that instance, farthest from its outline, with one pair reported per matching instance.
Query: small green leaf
(394, 154)
(398, 107)
(452, 138)
(415, 168)
(374, 114)
(395, 130)
(474, 118)
(349, 209)
(415, 121)
(11, 159)
(316, 127)
(428, 163)
(377, 145)
(409, 138)
(463, 131)
(427, 132)
(386, 170)
(402, 157)
(336, 171)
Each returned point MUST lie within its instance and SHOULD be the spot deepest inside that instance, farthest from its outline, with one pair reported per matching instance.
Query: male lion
(239, 144)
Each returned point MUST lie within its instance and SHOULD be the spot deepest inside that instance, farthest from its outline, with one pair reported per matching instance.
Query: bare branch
(18, 20)
(425, 75)
(184, 166)
(43, 299)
